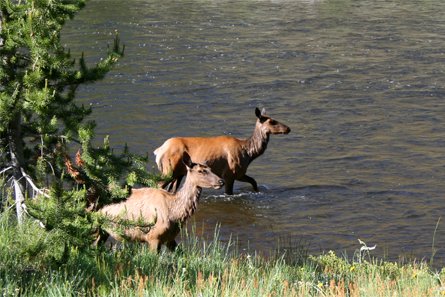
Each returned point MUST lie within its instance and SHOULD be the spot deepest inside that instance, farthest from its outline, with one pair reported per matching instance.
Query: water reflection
(360, 83)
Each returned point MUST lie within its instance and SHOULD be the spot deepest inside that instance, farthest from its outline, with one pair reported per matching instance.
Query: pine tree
(41, 125)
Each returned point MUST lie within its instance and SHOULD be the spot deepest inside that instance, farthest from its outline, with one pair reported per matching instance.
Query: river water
(360, 83)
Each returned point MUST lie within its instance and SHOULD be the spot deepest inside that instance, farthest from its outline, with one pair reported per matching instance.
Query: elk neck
(185, 202)
(257, 143)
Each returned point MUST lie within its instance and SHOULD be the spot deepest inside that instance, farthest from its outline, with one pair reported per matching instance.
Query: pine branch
(33, 186)
(5, 169)
(88, 75)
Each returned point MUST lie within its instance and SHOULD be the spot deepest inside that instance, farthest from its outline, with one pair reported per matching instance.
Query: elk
(227, 156)
(166, 210)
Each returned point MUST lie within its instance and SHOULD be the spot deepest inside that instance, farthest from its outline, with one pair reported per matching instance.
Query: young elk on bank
(227, 156)
(168, 211)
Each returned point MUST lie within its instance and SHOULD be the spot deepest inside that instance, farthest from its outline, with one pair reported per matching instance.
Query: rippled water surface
(360, 83)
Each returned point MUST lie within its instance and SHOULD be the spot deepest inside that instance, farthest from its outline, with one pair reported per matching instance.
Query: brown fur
(227, 156)
(167, 210)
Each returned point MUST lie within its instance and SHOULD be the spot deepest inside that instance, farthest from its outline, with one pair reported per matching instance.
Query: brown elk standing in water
(227, 156)
(166, 210)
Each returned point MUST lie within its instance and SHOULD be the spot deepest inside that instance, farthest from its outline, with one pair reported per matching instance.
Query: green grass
(28, 267)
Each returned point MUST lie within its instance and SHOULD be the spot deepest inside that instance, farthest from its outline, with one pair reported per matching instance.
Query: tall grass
(197, 268)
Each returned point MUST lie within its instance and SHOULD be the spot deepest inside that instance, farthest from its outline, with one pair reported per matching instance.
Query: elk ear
(257, 112)
(261, 115)
(187, 161)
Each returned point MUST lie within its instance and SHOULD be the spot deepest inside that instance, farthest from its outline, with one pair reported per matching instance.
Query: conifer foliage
(41, 125)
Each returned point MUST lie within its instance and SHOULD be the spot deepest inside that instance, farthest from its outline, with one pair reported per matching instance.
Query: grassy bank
(32, 265)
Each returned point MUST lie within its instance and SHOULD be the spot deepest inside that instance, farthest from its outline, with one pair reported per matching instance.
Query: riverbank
(31, 265)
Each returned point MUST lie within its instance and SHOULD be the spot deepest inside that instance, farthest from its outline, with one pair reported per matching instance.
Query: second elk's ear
(257, 112)
(260, 115)
(187, 161)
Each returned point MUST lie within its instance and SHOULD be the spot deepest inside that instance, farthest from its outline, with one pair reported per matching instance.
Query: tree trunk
(16, 155)
(1, 21)
(17, 163)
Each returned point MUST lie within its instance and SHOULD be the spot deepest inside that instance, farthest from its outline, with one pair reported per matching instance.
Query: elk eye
(273, 122)
(202, 171)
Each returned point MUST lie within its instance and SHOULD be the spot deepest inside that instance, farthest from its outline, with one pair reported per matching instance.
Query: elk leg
(169, 186)
(171, 245)
(249, 180)
(155, 245)
(173, 185)
(101, 237)
(163, 185)
(228, 183)
(177, 183)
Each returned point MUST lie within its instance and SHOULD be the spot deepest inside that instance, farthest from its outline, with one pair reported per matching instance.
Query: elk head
(201, 174)
(269, 125)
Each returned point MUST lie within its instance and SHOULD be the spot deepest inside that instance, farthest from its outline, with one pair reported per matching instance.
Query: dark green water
(360, 83)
